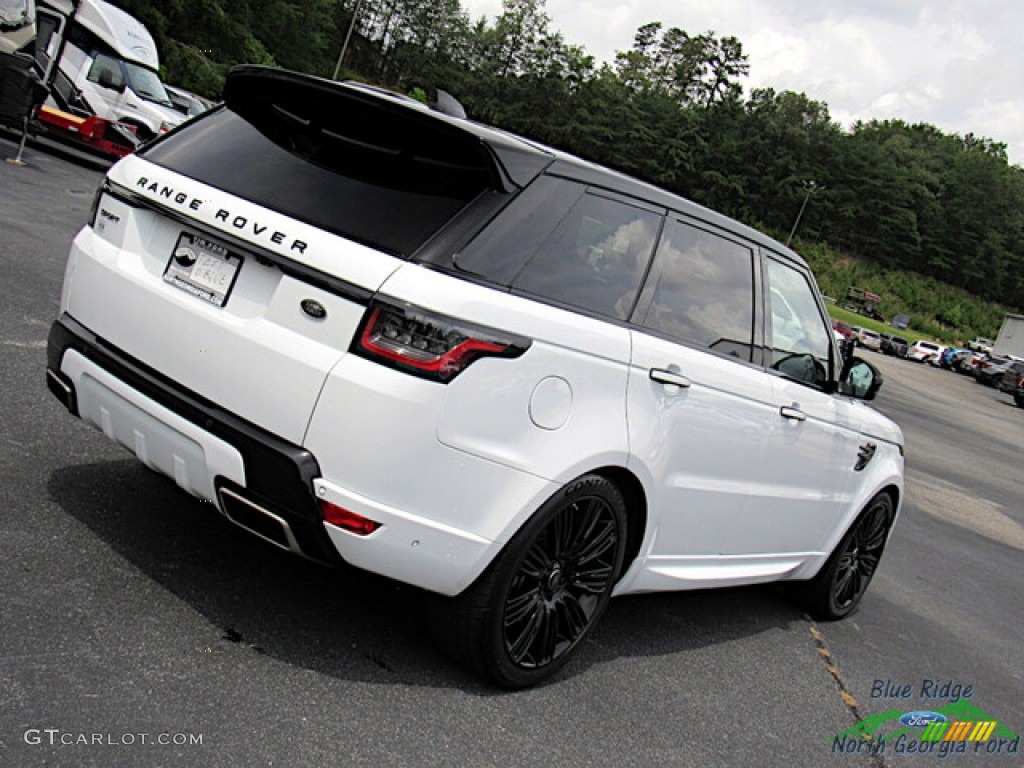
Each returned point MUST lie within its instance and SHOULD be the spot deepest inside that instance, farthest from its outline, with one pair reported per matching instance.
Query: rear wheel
(836, 591)
(525, 616)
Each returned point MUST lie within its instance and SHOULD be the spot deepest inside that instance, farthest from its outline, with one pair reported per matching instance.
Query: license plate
(203, 268)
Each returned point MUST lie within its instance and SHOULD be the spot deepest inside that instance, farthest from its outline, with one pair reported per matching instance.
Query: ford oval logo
(314, 309)
(922, 718)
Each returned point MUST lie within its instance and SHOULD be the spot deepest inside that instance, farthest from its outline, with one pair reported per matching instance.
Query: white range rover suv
(372, 333)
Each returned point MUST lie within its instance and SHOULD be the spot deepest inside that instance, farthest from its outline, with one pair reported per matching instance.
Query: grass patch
(852, 318)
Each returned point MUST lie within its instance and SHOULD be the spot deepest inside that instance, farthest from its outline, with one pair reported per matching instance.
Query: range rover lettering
(376, 334)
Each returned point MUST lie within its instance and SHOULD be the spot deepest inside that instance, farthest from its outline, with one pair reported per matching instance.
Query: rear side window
(573, 246)
(702, 291)
(345, 164)
(595, 259)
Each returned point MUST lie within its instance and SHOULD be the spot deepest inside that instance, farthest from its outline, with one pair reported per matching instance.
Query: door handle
(793, 413)
(662, 376)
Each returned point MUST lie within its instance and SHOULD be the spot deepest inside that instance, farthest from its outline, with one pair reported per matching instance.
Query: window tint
(350, 168)
(506, 244)
(596, 257)
(104, 63)
(703, 291)
(799, 339)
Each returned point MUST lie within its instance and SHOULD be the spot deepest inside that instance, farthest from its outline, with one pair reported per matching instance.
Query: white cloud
(953, 64)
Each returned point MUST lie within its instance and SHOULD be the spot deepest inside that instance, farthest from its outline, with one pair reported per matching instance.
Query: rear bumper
(261, 482)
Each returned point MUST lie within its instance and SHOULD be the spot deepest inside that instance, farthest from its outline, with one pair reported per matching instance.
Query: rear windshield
(345, 165)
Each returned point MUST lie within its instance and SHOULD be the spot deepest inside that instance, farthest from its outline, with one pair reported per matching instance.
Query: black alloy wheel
(521, 621)
(836, 591)
(558, 587)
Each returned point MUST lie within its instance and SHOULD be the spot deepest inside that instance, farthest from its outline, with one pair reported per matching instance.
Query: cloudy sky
(957, 64)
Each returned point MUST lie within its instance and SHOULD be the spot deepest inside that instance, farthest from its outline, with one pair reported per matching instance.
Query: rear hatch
(236, 255)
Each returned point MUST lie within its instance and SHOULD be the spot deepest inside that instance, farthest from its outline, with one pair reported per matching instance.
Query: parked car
(969, 362)
(951, 358)
(1008, 381)
(869, 339)
(922, 351)
(979, 345)
(382, 335)
(1018, 391)
(990, 371)
(892, 344)
(845, 329)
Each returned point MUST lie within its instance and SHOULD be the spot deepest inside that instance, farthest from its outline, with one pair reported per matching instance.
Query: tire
(521, 621)
(1019, 400)
(835, 592)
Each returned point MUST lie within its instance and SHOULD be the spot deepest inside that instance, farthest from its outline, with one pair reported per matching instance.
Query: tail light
(426, 344)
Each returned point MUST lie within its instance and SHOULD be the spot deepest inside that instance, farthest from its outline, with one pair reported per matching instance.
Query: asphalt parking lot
(140, 628)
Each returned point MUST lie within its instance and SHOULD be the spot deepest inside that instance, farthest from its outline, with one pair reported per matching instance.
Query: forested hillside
(670, 109)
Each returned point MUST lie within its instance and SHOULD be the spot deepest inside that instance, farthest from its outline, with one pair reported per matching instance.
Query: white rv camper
(101, 61)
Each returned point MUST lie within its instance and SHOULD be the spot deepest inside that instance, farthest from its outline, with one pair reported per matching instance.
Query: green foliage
(937, 310)
(936, 220)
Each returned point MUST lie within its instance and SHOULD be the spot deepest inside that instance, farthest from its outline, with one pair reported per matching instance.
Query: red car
(844, 329)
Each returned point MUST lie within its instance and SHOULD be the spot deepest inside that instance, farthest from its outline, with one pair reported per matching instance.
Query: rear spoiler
(331, 122)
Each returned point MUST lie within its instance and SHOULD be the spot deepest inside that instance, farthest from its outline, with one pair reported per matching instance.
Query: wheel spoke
(599, 543)
(536, 563)
(593, 579)
(868, 564)
(518, 608)
(547, 637)
(844, 578)
(574, 617)
(874, 534)
(524, 641)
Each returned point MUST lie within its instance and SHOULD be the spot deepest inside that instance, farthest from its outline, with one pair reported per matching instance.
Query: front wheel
(524, 617)
(836, 591)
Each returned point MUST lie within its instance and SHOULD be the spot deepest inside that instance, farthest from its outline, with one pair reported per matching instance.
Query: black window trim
(672, 219)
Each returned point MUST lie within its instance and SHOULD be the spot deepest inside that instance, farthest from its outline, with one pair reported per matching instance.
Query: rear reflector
(349, 521)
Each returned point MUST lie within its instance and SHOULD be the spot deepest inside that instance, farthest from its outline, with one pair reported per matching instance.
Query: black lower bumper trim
(279, 475)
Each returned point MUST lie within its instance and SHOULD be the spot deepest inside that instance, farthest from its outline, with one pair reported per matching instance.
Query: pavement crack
(849, 700)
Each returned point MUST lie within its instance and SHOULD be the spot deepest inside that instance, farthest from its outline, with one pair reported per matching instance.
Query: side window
(595, 258)
(104, 63)
(702, 291)
(799, 340)
(501, 251)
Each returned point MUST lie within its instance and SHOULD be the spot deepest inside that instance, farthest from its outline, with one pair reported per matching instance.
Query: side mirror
(859, 379)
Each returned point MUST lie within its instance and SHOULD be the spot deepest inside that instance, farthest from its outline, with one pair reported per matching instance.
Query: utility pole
(348, 37)
(811, 188)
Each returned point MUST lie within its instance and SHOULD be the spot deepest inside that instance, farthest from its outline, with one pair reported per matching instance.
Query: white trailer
(99, 60)
(1010, 341)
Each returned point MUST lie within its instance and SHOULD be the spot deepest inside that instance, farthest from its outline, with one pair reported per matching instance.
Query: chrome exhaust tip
(258, 520)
